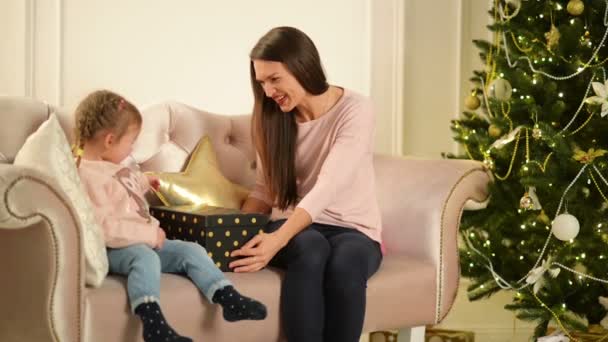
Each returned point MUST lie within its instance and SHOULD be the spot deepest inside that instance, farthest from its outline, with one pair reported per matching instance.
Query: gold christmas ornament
(472, 102)
(586, 39)
(552, 37)
(587, 157)
(488, 163)
(575, 7)
(201, 183)
(494, 131)
(526, 202)
(542, 217)
(529, 201)
(536, 132)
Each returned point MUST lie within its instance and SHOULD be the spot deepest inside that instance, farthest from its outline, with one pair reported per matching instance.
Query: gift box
(219, 230)
(594, 333)
(430, 335)
(444, 335)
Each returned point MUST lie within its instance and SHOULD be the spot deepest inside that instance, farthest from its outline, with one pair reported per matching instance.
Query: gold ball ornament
(575, 7)
(494, 131)
(472, 102)
(526, 202)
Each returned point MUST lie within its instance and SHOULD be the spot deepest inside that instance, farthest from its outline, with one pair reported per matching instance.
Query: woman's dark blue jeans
(326, 272)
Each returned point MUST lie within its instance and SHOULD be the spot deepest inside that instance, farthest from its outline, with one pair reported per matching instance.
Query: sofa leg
(412, 334)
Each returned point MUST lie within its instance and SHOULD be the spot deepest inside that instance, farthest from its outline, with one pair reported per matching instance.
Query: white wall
(197, 51)
(413, 59)
(192, 51)
(12, 47)
(433, 44)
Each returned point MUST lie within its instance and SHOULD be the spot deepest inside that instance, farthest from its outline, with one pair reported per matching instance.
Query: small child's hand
(154, 182)
(160, 238)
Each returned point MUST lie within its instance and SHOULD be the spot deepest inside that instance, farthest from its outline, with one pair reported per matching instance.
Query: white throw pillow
(48, 151)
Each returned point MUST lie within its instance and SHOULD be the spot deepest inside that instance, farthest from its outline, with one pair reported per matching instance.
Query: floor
(486, 318)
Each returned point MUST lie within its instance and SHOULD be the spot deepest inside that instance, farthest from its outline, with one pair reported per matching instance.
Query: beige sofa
(42, 292)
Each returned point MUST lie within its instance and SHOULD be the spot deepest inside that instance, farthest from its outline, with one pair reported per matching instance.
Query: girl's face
(117, 149)
(279, 84)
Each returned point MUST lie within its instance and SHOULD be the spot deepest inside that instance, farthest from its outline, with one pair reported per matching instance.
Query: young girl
(106, 127)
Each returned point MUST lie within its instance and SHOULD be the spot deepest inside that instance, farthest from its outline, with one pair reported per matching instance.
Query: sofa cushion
(108, 317)
(402, 293)
(47, 150)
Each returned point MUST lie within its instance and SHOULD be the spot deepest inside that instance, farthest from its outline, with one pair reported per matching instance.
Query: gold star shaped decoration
(201, 183)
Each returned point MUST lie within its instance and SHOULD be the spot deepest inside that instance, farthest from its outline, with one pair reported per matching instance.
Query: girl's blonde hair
(102, 110)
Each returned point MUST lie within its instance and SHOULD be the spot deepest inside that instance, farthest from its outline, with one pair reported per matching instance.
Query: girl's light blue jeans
(143, 266)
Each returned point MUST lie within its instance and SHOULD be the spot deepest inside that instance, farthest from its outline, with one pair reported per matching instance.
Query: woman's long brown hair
(274, 132)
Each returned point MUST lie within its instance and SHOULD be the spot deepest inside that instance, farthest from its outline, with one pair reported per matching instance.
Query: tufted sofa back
(170, 132)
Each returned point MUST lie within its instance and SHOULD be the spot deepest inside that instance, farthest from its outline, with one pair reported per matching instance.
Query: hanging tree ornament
(552, 37)
(586, 39)
(565, 227)
(501, 89)
(472, 101)
(494, 131)
(542, 217)
(536, 276)
(536, 132)
(511, 9)
(525, 202)
(589, 156)
(488, 162)
(529, 201)
(601, 96)
(575, 7)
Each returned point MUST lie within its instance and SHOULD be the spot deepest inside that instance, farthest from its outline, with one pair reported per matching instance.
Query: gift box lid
(215, 217)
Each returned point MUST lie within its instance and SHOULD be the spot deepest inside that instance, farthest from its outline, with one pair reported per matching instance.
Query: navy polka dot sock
(237, 307)
(156, 328)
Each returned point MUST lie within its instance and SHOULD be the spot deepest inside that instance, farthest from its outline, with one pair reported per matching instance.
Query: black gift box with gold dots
(219, 230)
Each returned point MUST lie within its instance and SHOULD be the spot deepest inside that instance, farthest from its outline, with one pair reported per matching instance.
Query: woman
(315, 145)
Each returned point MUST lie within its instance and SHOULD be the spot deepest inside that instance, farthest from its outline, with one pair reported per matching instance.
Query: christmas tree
(536, 118)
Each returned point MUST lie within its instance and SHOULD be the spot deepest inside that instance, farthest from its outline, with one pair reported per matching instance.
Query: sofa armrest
(41, 259)
(421, 203)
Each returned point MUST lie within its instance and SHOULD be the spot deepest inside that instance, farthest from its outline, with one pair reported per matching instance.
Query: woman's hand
(257, 252)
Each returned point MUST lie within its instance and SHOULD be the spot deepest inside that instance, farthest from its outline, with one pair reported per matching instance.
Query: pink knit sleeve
(119, 231)
(260, 189)
(353, 143)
